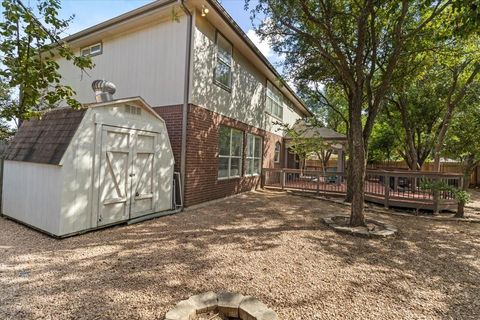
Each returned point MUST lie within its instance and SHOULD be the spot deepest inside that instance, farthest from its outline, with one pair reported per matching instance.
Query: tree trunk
(349, 195)
(357, 181)
(460, 210)
(466, 183)
(357, 163)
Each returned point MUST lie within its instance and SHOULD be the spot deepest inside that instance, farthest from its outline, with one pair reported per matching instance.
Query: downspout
(185, 98)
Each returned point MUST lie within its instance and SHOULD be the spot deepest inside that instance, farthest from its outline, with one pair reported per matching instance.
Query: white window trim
(90, 49)
(230, 157)
(275, 160)
(219, 60)
(274, 91)
(253, 158)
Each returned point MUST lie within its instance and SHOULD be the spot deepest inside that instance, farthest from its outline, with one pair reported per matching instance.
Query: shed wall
(79, 203)
(32, 194)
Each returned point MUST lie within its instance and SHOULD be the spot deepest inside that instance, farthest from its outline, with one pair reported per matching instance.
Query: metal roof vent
(104, 90)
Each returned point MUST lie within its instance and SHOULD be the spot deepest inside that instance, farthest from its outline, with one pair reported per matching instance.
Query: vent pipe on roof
(104, 90)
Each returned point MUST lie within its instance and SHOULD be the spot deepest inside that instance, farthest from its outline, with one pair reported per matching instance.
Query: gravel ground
(473, 207)
(266, 244)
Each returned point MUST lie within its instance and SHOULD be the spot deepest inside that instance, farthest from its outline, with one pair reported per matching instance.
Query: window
(274, 101)
(223, 65)
(92, 50)
(230, 145)
(278, 147)
(254, 155)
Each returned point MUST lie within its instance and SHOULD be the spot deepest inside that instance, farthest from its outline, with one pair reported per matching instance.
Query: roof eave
(119, 19)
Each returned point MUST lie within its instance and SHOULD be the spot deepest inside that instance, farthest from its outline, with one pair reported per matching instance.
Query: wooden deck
(389, 188)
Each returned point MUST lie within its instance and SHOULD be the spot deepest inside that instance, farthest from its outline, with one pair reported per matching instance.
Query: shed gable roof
(45, 139)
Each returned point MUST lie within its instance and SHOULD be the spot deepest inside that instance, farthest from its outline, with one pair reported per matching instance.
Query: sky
(90, 12)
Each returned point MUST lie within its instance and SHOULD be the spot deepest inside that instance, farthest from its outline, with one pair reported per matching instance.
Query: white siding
(32, 194)
(147, 62)
(290, 115)
(246, 101)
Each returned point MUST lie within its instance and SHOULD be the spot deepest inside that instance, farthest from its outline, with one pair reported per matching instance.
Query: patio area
(267, 244)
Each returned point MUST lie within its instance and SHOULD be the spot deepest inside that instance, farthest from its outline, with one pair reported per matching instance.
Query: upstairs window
(93, 50)
(230, 149)
(253, 164)
(274, 103)
(223, 63)
(278, 148)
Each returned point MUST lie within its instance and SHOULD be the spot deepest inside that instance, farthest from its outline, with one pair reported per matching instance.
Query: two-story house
(219, 96)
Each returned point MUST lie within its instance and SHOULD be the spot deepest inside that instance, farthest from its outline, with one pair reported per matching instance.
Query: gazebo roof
(314, 132)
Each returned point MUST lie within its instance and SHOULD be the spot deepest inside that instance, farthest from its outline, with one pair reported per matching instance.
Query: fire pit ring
(227, 304)
(381, 229)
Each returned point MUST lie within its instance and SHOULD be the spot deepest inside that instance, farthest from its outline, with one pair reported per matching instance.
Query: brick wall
(173, 119)
(201, 182)
(270, 140)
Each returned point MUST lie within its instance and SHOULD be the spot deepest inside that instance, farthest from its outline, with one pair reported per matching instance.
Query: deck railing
(390, 188)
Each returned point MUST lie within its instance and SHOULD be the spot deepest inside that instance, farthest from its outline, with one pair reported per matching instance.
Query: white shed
(77, 170)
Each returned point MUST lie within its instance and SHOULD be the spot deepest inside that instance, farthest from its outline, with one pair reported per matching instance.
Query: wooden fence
(445, 167)
(405, 189)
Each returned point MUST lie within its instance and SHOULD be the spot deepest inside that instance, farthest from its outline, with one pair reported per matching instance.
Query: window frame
(277, 152)
(279, 103)
(90, 54)
(249, 158)
(230, 156)
(215, 81)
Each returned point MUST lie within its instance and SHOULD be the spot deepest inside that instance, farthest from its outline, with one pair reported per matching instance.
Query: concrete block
(250, 308)
(184, 310)
(204, 302)
(228, 303)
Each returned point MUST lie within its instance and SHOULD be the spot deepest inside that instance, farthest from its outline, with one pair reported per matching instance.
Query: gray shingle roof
(312, 132)
(45, 140)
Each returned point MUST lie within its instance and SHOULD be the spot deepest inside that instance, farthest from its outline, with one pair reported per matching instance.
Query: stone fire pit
(223, 305)
(374, 228)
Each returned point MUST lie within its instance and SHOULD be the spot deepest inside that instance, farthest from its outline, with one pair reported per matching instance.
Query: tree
(354, 44)
(464, 71)
(304, 146)
(463, 143)
(436, 82)
(28, 47)
(6, 132)
(384, 142)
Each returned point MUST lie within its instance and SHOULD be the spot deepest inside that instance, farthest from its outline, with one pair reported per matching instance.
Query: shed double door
(128, 187)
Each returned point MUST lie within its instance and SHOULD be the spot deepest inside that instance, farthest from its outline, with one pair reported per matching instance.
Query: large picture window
(254, 155)
(274, 103)
(223, 63)
(230, 145)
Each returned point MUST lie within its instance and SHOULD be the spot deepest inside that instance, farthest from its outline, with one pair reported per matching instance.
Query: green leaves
(29, 47)
(462, 196)
(463, 140)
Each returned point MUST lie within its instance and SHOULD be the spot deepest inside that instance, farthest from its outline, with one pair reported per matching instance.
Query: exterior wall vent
(133, 110)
